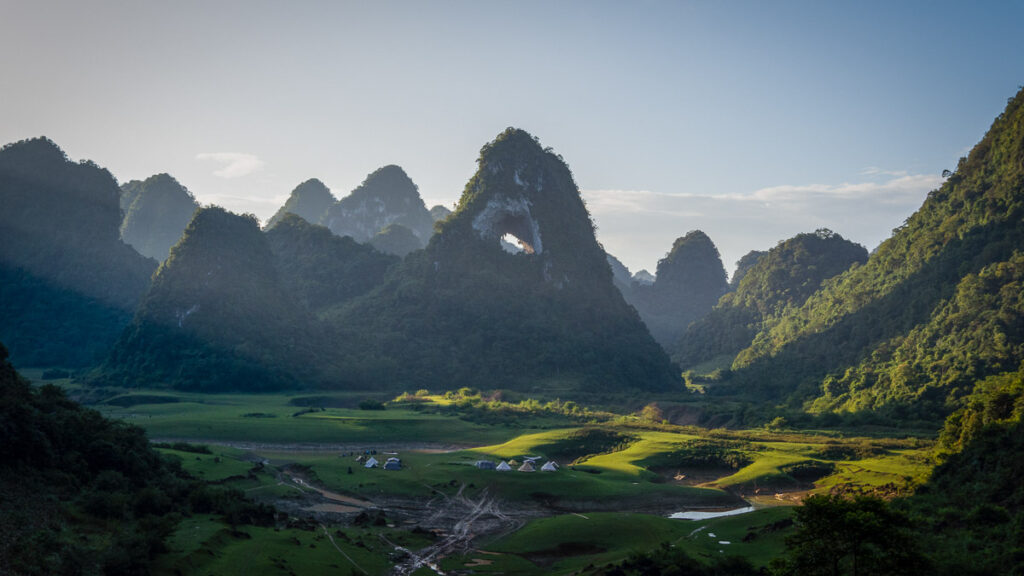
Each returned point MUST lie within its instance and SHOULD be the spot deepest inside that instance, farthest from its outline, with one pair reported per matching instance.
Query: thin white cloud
(638, 225)
(235, 164)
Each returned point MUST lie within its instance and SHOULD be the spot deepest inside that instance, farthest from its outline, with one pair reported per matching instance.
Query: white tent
(549, 466)
(504, 467)
(371, 463)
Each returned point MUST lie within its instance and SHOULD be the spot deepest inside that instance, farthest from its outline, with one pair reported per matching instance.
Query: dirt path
(347, 557)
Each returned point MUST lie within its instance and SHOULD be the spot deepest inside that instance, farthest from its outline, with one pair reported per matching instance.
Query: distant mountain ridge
(689, 280)
(309, 201)
(156, 212)
(782, 277)
(68, 283)
(387, 196)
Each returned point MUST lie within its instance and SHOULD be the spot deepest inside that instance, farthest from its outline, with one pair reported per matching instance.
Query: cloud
(235, 164)
(638, 226)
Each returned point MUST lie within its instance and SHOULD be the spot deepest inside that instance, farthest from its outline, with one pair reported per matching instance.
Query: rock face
(309, 201)
(67, 282)
(386, 197)
(689, 281)
(782, 277)
(465, 311)
(156, 212)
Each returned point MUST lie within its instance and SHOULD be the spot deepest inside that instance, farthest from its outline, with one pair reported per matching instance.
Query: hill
(688, 282)
(783, 277)
(936, 307)
(386, 197)
(465, 311)
(68, 283)
(320, 269)
(156, 212)
(196, 326)
(309, 201)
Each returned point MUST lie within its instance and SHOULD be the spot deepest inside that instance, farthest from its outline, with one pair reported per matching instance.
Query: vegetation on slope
(82, 494)
(689, 280)
(156, 212)
(309, 201)
(67, 282)
(466, 312)
(783, 277)
(196, 326)
(387, 196)
(941, 295)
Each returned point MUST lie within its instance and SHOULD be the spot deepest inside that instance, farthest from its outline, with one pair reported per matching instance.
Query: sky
(751, 121)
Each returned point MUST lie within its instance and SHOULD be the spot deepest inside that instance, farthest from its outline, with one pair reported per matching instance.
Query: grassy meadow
(619, 478)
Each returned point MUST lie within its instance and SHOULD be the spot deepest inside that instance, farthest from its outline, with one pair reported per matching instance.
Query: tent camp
(549, 466)
(485, 464)
(371, 463)
(503, 467)
(527, 467)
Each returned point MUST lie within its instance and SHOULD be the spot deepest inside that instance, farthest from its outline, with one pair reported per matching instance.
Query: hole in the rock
(511, 244)
(513, 229)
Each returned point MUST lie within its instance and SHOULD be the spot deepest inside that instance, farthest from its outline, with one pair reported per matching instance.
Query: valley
(619, 475)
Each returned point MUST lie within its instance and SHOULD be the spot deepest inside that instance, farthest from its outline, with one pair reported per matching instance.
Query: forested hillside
(320, 269)
(156, 212)
(783, 277)
(689, 280)
(82, 494)
(67, 282)
(387, 196)
(936, 308)
(218, 317)
(467, 312)
(309, 201)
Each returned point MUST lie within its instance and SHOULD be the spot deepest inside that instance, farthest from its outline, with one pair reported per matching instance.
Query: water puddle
(697, 515)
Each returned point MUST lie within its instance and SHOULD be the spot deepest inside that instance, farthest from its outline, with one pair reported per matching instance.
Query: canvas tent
(549, 466)
(503, 467)
(371, 463)
(527, 467)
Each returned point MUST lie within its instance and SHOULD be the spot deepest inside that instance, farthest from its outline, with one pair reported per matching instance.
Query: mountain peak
(387, 196)
(309, 200)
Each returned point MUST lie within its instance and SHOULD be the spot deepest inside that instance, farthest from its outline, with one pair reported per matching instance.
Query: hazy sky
(752, 121)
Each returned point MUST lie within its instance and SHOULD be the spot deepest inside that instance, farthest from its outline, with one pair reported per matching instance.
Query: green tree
(860, 536)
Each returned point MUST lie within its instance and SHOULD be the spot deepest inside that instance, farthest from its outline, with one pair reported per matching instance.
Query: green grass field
(610, 470)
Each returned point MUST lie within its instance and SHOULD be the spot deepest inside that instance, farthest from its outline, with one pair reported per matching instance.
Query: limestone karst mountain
(309, 201)
(782, 277)
(689, 281)
(466, 311)
(156, 212)
(934, 310)
(386, 197)
(68, 283)
(217, 316)
(320, 269)
(439, 213)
